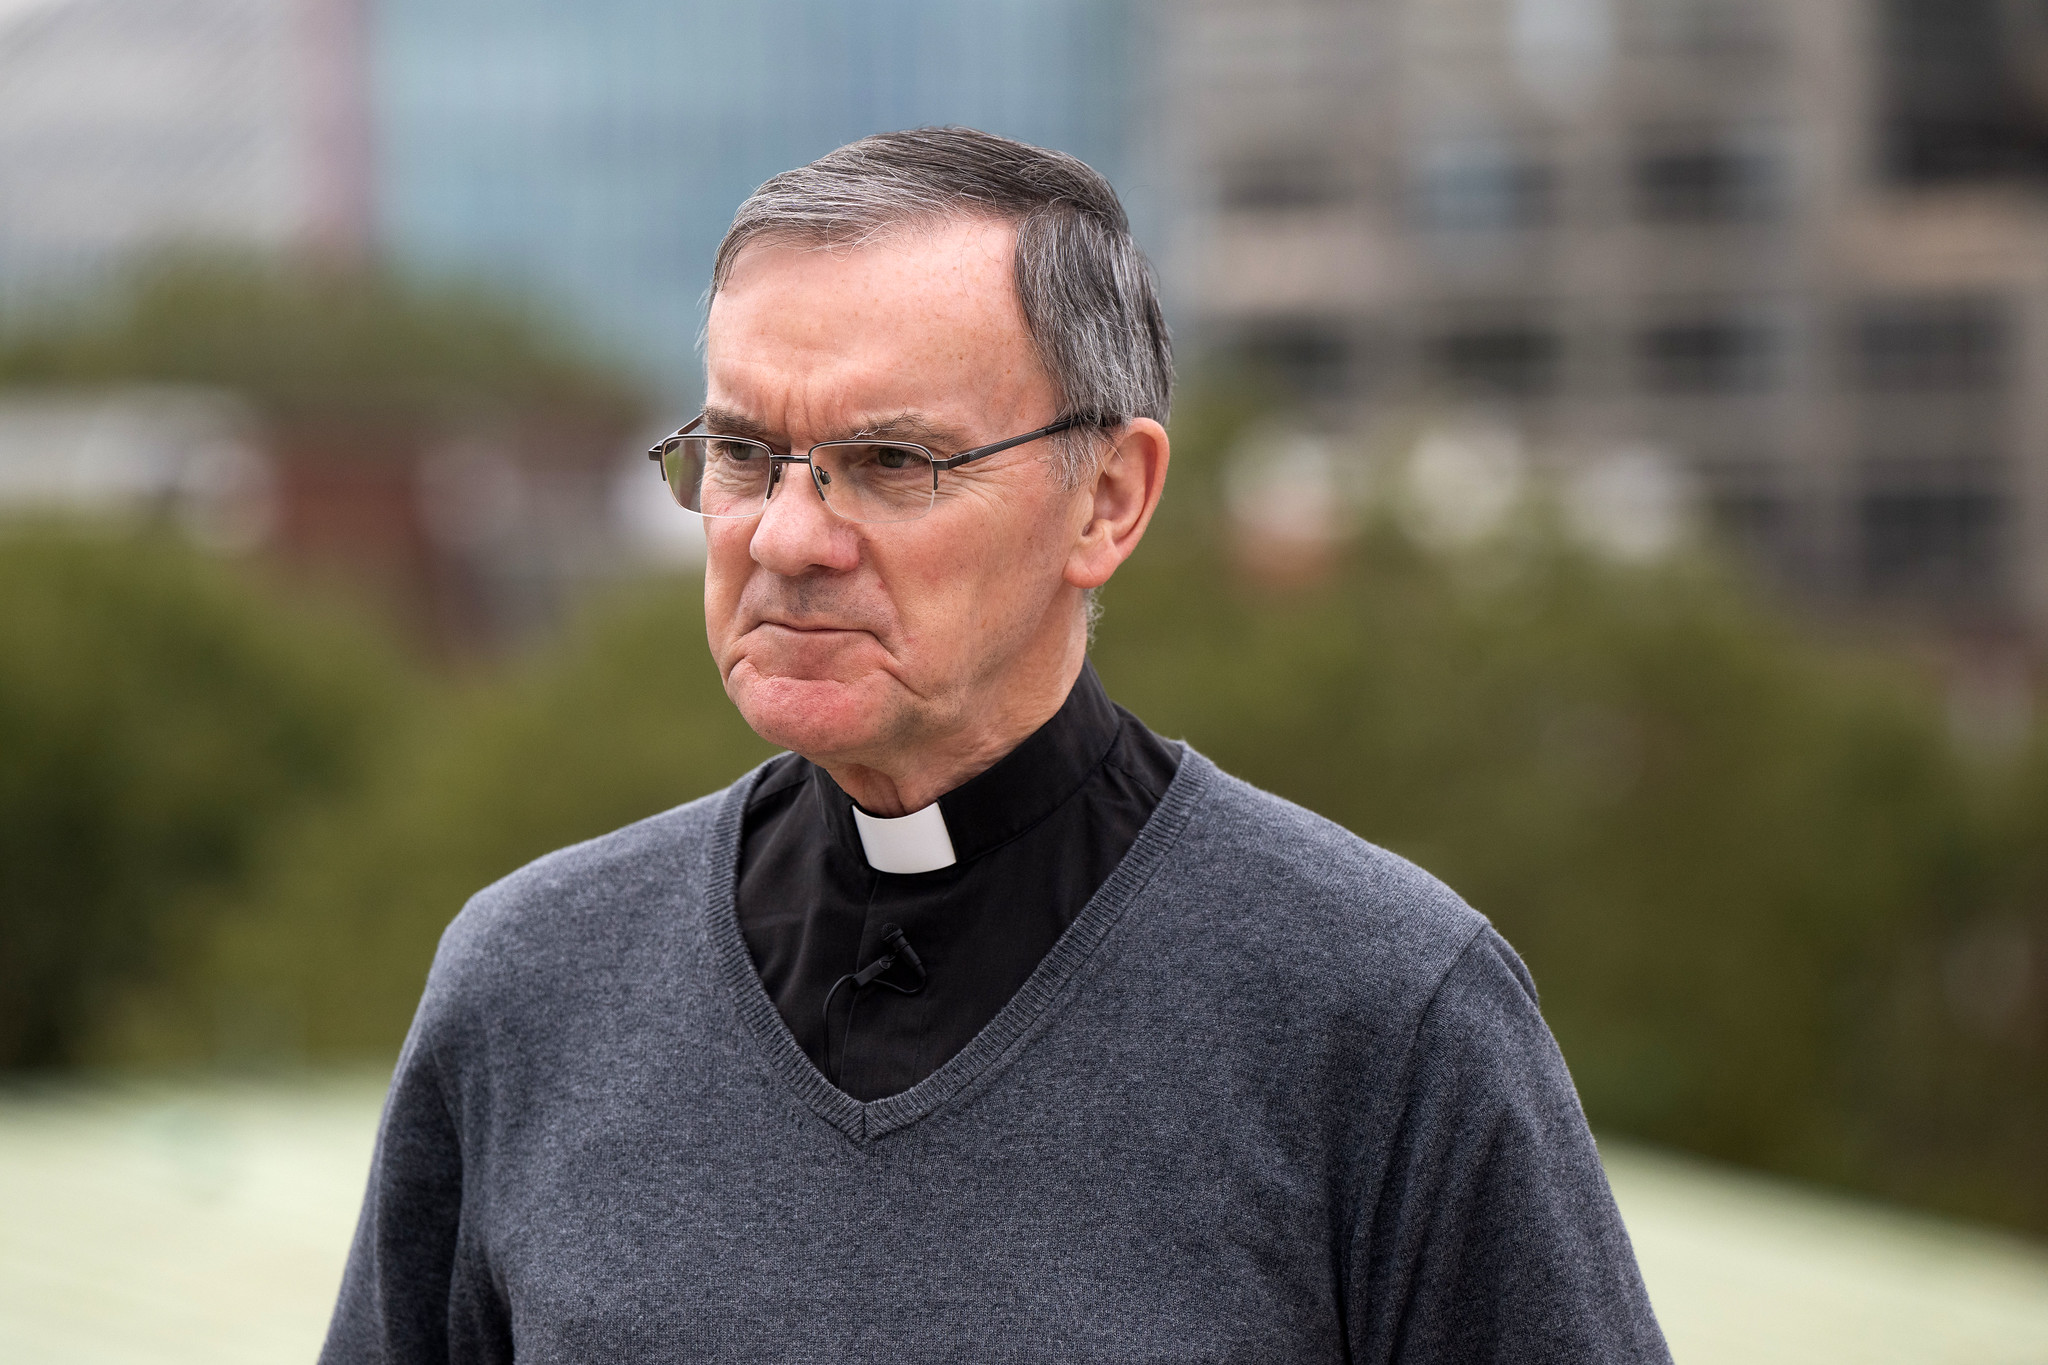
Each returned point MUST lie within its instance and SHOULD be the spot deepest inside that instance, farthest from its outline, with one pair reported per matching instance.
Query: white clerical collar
(917, 842)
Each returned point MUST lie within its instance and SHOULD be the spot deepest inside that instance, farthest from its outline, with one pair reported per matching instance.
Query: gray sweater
(1276, 1095)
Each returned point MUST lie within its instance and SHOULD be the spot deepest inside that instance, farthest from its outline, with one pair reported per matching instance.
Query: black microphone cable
(899, 949)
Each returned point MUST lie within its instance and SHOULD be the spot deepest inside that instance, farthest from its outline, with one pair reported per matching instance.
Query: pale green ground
(207, 1223)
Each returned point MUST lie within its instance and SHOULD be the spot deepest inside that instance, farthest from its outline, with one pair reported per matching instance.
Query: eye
(879, 459)
(737, 452)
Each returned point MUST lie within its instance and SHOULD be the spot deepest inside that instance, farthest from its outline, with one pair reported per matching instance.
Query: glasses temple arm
(964, 456)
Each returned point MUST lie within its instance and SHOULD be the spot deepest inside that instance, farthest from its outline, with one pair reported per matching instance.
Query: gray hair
(1089, 298)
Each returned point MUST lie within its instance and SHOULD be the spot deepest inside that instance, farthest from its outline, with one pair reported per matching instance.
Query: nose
(797, 533)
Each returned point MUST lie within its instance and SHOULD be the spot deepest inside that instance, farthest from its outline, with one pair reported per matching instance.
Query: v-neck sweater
(1275, 1094)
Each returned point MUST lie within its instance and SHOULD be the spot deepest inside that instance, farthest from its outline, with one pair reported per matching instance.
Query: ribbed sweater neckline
(1033, 1004)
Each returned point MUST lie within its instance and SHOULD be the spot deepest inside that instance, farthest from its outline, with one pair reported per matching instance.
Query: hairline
(829, 239)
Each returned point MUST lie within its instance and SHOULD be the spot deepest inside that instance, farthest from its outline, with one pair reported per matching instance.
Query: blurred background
(1611, 469)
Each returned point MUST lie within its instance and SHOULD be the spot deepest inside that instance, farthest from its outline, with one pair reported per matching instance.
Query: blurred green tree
(159, 715)
(621, 718)
(305, 342)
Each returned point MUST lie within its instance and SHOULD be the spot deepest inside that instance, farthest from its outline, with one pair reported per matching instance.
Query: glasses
(860, 480)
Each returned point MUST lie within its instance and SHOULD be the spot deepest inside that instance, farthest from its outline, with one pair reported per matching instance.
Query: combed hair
(1090, 301)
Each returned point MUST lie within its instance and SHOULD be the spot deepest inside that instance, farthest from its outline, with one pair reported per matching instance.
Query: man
(984, 1024)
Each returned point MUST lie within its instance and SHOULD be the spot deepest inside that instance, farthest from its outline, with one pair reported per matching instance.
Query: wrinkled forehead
(925, 318)
(957, 272)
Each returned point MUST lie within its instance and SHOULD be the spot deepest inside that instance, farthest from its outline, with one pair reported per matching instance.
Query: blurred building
(587, 155)
(1799, 248)
(130, 125)
(595, 152)
(184, 455)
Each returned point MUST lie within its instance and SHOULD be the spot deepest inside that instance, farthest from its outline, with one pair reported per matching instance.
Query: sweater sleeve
(1494, 1236)
(409, 1295)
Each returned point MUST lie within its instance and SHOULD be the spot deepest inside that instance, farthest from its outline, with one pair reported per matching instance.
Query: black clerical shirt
(1033, 836)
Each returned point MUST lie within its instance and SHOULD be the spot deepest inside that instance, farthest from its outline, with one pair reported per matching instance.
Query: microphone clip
(898, 951)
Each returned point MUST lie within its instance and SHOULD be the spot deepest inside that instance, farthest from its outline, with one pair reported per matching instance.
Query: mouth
(809, 627)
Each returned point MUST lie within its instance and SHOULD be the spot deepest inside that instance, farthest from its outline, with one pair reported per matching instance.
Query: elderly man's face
(852, 643)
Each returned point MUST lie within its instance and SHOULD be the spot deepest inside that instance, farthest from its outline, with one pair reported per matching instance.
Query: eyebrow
(911, 426)
(725, 422)
(900, 426)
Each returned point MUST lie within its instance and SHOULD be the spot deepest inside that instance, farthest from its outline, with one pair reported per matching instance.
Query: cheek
(727, 565)
(983, 574)
(1036, 537)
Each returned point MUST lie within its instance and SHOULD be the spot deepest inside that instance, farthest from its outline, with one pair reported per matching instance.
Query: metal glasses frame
(689, 428)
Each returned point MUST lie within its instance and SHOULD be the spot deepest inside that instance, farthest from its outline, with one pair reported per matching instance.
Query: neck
(921, 774)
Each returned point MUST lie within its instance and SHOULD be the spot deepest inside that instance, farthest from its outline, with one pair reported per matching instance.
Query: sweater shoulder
(578, 902)
(1336, 916)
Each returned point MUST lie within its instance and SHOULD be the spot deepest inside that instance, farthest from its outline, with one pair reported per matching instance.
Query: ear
(1117, 503)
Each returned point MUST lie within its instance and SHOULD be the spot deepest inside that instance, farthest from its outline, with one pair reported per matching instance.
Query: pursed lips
(813, 627)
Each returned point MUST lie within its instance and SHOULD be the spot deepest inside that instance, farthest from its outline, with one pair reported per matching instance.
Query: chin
(816, 717)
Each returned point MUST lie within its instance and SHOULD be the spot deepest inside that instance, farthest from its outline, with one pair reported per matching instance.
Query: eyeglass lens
(868, 481)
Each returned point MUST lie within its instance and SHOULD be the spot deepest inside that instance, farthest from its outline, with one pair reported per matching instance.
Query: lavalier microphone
(899, 947)
(898, 950)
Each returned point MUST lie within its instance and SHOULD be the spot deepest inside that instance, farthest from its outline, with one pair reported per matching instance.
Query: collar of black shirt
(1021, 789)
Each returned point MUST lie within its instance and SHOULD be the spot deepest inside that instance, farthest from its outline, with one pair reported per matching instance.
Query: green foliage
(621, 719)
(304, 341)
(158, 718)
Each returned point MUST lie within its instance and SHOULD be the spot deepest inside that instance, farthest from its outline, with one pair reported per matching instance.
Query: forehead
(925, 318)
